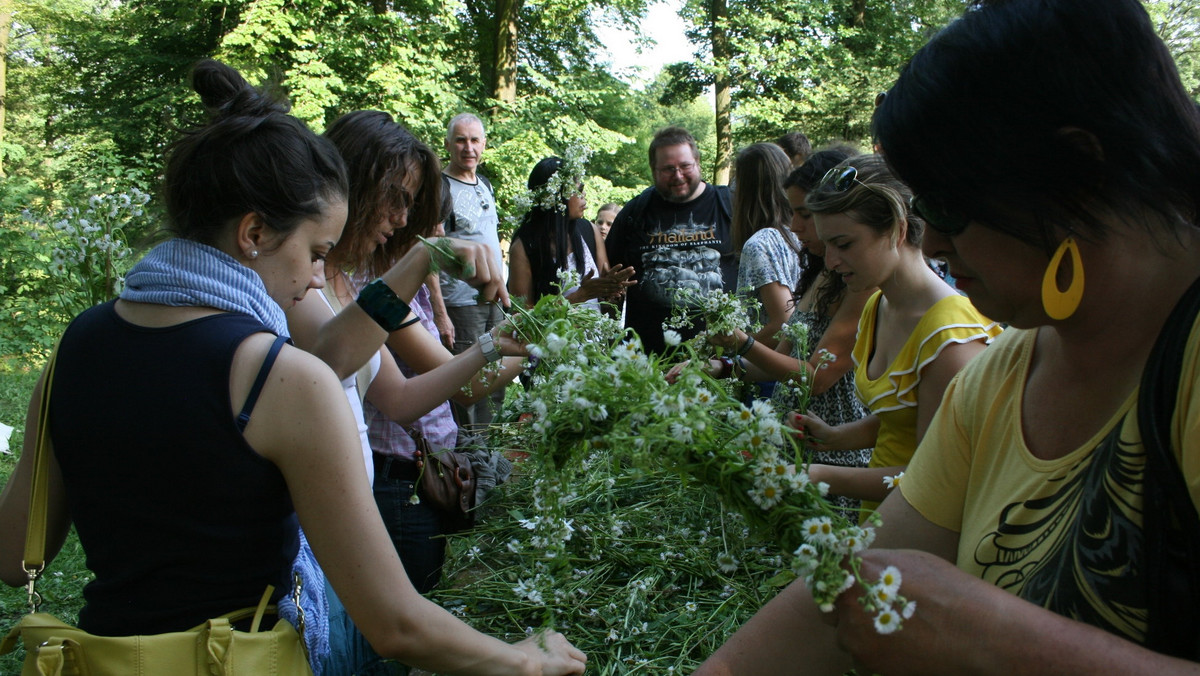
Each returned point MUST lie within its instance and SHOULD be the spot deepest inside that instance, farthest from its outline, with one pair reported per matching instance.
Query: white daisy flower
(681, 432)
(887, 621)
(818, 531)
(766, 496)
(889, 578)
(727, 563)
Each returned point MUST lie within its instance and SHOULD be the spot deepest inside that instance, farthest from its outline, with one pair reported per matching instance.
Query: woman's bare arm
(303, 424)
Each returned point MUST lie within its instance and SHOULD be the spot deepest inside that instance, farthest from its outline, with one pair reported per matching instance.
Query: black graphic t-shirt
(672, 246)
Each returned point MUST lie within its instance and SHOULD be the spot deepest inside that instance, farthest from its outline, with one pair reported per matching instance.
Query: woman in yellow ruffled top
(914, 335)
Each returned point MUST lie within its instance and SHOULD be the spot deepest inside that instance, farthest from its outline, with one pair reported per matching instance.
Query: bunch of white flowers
(594, 387)
(720, 311)
(90, 250)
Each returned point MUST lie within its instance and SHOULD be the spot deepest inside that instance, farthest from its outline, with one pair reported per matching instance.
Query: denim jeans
(416, 531)
(350, 653)
(470, 321)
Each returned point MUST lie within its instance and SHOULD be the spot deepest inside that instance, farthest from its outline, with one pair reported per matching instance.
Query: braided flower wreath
(554, 193)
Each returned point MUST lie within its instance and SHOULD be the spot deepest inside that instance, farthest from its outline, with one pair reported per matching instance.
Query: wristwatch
(487, 345)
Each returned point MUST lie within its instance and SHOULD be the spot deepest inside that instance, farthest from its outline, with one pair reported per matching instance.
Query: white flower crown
(563, 184)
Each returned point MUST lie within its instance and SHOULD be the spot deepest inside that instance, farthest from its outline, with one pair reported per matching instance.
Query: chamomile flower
(742, 416)
(882, 596)
(555, 344)
(626, 350)
(851, 543)
(672, 337)
(766, 496)
(727, 563)
(797, 480)
(818, 531)
(681, 432)
(887, 621)
(762, 409)
(892, 481)
(889, 578)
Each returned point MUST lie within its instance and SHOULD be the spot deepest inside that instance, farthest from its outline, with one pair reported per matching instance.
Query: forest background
(92, 91)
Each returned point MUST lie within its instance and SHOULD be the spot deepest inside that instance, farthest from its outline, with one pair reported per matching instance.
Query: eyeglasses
(483, 202)
(685, 168)
(840, 179)
(400, 200)
(938, 215)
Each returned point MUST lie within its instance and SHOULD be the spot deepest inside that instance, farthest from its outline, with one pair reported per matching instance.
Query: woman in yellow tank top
(914, 335)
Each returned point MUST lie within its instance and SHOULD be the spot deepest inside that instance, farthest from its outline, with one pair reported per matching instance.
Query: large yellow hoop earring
(1062, 304)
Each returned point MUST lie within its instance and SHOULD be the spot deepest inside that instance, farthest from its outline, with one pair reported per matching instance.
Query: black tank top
(179, 518)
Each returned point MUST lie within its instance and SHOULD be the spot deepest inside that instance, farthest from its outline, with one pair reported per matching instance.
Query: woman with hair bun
(221, 438)
(830, 313)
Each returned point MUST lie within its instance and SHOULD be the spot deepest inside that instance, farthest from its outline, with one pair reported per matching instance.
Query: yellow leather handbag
(214, 648)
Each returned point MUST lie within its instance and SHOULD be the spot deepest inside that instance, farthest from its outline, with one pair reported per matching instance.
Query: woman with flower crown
(554, 237)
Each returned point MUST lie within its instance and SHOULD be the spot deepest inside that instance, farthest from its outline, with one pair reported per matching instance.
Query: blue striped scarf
(185, 273)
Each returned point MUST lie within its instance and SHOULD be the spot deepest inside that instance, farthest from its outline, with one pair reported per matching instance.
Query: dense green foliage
(94, 91)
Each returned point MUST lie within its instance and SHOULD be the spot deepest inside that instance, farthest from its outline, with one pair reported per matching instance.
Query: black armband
(383, 305)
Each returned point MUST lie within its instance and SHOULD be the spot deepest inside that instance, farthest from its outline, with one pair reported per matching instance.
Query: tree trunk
(860, 13)
(6, 16)
(504, 89)
(723, 88)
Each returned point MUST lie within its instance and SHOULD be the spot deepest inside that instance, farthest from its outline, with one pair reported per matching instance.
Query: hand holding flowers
(472, 262)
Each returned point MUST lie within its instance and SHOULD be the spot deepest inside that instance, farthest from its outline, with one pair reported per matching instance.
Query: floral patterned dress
(837, 405)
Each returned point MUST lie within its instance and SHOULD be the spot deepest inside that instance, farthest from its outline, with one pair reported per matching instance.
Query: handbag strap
(1171, 525)
(420, 442)
(34, 559)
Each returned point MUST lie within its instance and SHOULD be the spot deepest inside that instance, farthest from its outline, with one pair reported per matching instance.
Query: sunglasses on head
(941, 218)
(840, 179)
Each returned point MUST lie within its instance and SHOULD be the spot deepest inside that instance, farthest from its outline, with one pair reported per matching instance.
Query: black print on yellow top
(1078, 551)
(677, 259)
